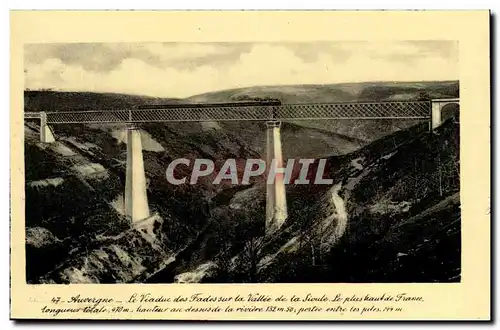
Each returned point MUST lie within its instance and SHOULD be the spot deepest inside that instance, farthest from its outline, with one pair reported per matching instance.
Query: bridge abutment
(136, 199)
(437, 106)
(276, 207)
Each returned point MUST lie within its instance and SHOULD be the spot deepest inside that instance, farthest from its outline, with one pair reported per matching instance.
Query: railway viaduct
(136, 200)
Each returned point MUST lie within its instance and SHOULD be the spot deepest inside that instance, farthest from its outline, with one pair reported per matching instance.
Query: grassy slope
(57, 101)
(370, 91)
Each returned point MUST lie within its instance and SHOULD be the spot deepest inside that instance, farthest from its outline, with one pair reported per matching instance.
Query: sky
(185, 69)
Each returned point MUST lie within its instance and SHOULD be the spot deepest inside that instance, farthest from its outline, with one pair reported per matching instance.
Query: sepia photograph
(250, 165)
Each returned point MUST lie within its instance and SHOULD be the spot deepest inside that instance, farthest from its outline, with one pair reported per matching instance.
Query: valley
(391, 214)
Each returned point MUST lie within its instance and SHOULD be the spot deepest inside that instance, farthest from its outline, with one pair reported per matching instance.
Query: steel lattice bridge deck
(243, 112)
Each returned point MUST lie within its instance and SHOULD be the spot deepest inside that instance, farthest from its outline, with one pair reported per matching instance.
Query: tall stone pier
(276, 207)
(136, 199)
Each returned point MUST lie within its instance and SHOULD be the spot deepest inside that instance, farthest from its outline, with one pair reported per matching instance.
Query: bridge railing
(94, 116)
(159, 115)
(201, 114)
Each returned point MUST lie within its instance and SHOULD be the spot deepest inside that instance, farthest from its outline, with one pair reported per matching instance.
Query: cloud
(108, 56)
(185, 52)
(184, 69)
